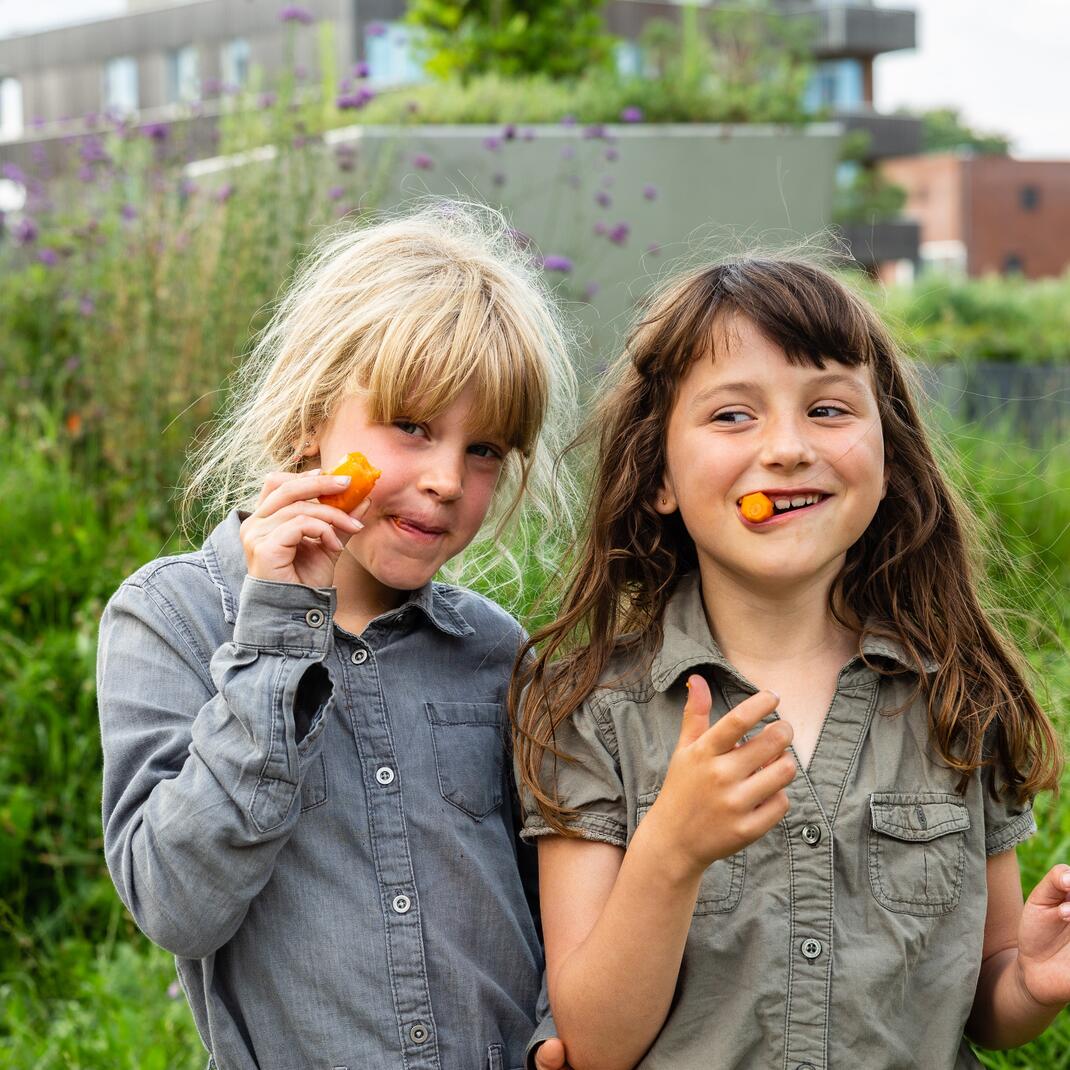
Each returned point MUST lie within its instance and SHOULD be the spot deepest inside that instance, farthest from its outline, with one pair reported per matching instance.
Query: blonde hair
(409, 312)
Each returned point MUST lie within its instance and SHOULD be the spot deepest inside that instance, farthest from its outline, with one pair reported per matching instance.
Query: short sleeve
(1007, 822)
(585, 779)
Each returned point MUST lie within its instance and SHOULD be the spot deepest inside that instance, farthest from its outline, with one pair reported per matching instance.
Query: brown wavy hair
(912, 577)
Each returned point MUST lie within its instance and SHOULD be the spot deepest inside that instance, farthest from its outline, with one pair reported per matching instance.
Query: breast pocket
(469, 744)
(917, 851)
(722, 883)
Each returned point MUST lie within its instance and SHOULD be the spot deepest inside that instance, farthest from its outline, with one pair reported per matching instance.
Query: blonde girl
(307, 797)
(816, 868)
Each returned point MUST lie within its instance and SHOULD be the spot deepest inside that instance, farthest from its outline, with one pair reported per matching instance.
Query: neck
(360, 596)
(758, 628)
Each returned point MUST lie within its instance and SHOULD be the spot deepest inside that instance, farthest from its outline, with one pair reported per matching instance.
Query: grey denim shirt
(320, 826)
(849, 936)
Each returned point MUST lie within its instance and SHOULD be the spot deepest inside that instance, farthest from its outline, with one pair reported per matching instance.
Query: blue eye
(486, 450)
(407, 427)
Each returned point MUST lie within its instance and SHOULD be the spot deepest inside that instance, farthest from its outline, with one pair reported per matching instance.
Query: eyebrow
(829, 379)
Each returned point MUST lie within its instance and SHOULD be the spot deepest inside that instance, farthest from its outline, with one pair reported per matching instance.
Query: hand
(550, 1055)
(291, 537)
(719, 794)
(1044, 940)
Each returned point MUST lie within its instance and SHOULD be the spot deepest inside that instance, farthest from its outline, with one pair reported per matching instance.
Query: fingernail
(314, 471)
(342, 481)
(1066, 880)
(773, 693)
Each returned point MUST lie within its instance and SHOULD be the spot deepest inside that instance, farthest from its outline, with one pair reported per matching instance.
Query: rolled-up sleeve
(205, 751)
(1007, 822)
(586, 779)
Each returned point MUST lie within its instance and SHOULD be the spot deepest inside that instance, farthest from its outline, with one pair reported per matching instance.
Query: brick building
(988, 214)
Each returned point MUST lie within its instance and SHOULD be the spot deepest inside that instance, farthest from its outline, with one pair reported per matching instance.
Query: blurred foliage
(559, 39)
(943, 130)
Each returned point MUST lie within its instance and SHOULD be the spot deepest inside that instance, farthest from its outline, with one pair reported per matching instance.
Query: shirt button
(359, 657)
(419, 1033)
(806, 1066)
(401, 904)
(384, 774)
(811, 834)
(314, 618)
(811, 948)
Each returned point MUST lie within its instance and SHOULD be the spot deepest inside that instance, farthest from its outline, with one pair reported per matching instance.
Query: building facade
(982, 215)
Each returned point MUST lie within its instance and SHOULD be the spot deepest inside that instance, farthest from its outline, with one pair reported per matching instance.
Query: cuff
(589, 826)
(1005, 837)
(286, 617)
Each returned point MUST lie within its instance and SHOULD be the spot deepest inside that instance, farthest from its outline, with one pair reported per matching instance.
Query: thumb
(1054, 888)
(550, 1055)
(696, 717)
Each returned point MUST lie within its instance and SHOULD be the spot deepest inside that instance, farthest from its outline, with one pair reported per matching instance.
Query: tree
(558, 38)
(943, 130)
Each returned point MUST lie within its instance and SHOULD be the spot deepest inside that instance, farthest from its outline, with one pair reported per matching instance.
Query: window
(1030, 198)
(391, 58)
(629, 59)
(120, 85)
(182, 82)
(10, 109)
(1013, 264)
(235, 62)
(837, 84)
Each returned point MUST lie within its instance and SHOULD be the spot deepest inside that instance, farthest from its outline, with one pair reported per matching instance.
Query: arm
(1025, 968)
(616, 921)
(202, 763)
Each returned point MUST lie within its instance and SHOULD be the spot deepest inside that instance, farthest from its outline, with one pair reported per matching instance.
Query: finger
(300, 488)
(765, 816)
(328, 513)
(738, 721)
(290, 535)
(696, 718)
(550, 1055)
(767, 781)
(1052, 889)
(761, 749)
(274, 480)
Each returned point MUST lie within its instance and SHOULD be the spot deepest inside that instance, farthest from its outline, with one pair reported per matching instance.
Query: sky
(1003, 65)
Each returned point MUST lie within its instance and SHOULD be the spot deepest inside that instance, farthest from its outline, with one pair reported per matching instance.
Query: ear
(665, 499)
(887, 471)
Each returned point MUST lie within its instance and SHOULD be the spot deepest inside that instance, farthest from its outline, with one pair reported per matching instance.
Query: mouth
(785, 504)
(417, 529)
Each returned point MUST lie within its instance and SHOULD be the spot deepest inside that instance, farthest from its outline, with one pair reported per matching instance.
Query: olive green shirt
(850, 934)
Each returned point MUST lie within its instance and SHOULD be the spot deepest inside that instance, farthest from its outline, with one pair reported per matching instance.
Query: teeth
(797, 502)
(783, 503)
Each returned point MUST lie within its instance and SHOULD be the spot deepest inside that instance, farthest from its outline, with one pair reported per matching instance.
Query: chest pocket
(469, 743)
(917, 851)
(722, 883)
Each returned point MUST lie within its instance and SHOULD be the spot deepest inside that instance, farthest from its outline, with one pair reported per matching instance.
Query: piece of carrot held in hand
(362, 479)
(756, 507)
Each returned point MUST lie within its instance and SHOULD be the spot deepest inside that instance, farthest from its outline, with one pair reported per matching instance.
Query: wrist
(1025, 993)
(671, 863)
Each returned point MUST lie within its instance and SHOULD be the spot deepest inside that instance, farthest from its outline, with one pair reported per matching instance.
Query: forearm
(611, 996)
(1004, 1014)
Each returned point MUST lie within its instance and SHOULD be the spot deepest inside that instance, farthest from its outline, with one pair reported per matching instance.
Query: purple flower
(361, 70)
(212, 87)
(355, 100)
(528, 134)
(492, 143)
(612, 155)
(155, 131)
(653, 248)
(128, 212)
(87, 306)
(187, 187)
(591, 290)
(568, 120)
(650, 193)
(594, 132)
(568, 152)
(225, 192)
(37, 122)
(25, 231)
(48, 257)
(13, 172)
(603, 199)
(91, 120)
(294, 13)
(619, 234)
(422, 161)
(375, 29)
(86, 174)
(557, 263)
(336, 193)
(631, 114)
(266, 100)
(346, 156)
(509, 132)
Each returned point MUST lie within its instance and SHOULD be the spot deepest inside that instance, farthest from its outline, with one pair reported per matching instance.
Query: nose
(443, 473)
(786, 444)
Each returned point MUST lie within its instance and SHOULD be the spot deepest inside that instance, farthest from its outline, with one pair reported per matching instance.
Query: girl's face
(749, 421)
(437, 482)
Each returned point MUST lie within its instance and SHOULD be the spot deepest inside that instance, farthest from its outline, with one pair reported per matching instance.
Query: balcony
(889, 135)
(875, 243)
(855, 30)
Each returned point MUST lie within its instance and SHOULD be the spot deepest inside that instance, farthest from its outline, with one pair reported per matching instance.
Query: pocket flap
(486, 713)
(917, 818)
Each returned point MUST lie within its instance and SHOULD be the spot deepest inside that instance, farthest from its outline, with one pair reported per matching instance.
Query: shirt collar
(687, 641)
(225, 559)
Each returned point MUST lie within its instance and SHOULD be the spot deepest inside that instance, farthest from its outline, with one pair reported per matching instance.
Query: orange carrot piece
(362, 479)
(756, 507)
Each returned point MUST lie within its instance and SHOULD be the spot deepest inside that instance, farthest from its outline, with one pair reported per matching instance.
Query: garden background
(137, 277)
